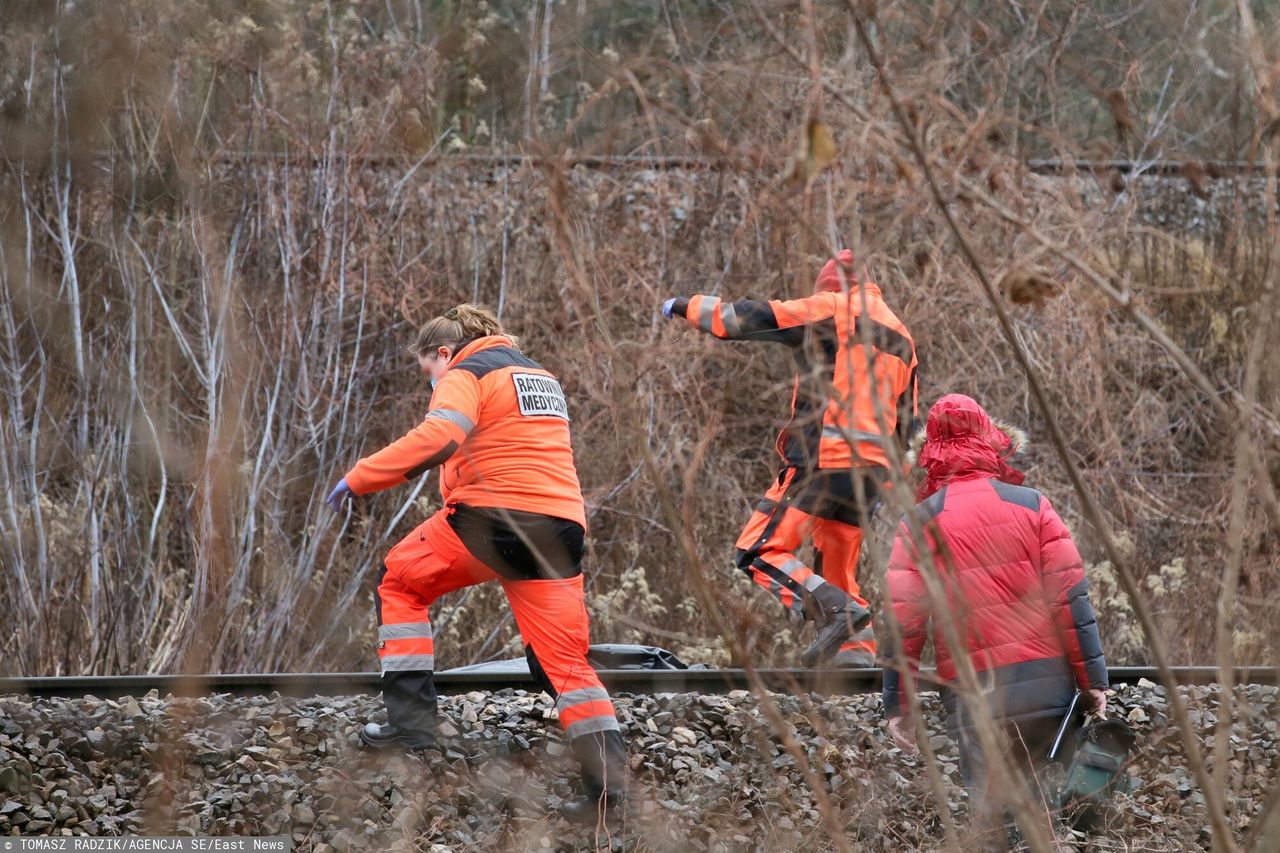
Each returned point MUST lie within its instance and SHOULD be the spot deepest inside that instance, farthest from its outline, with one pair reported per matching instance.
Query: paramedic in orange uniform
(854, 390)
(498, 429)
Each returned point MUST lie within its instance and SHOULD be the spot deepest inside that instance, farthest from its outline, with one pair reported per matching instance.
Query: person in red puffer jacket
(1014, 588)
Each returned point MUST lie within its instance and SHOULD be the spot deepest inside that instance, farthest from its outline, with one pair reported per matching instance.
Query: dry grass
(199, 336)
(198, 342)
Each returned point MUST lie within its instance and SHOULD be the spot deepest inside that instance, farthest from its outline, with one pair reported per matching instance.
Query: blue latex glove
(339, 494)
(667, 306)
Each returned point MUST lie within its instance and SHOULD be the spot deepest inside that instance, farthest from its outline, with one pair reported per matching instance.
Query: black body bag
(1097, 772)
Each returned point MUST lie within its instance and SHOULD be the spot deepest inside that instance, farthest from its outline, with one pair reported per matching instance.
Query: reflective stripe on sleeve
(706, 310)
(454, 417)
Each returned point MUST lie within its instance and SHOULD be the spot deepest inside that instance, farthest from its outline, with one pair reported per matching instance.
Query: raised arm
(1067, 591)
(776, 321)
(455, 409)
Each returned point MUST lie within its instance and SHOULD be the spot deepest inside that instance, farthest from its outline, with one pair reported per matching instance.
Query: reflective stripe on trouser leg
(777, 583)
(552, 618)
(592, 728)
(406, 647)
(817, 593)
(766, 551)
(767, 545)
(406, 655)
(585, 711)
(426, 564)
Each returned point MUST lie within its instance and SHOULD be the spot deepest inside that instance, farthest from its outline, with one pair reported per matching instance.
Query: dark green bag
(1097, 772)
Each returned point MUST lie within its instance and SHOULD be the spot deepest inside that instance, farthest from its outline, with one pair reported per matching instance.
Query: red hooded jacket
(1013, 580)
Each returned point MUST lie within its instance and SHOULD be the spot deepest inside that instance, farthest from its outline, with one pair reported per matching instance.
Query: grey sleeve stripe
(405, 631)
(705, 312)
(577, 697)
(591, 725)
(408, 663)
(1086, 628)
(453, 417)
(729, 315)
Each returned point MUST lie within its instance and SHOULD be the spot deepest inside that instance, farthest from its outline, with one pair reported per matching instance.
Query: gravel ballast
(715, 773)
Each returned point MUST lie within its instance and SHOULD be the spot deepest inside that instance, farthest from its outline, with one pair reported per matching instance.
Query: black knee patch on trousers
(539, 674)
(377, 599)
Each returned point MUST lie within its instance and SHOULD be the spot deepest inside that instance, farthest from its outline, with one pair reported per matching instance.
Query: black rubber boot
(603, 756)
(842, 623)
(380, 735)
(590, 811)
(411, 702)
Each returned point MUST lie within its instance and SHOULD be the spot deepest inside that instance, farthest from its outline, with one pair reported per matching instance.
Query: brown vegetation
(220, 225)
(218, 243)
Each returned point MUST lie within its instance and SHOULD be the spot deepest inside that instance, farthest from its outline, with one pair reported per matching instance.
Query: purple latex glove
(339, 495)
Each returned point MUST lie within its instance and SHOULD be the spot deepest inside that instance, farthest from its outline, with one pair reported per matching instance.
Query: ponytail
(475, 322)
(458, 327)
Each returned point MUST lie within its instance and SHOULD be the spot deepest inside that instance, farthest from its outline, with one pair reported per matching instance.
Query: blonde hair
(456, 328)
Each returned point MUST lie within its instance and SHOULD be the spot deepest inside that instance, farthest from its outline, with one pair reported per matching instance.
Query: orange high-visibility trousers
(823, 506)
(550, 613)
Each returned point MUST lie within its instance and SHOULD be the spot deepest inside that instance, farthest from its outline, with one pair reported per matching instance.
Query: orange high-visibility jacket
(852, 356)
(499, 426)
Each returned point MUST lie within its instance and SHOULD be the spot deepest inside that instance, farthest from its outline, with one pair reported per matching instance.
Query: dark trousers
(1024, 745)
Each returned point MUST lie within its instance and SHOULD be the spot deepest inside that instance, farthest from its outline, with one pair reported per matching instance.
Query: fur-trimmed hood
(961, 441)
(1018, 440)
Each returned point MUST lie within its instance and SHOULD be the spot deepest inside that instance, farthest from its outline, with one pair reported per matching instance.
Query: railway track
(454, 683)
(1200, 169)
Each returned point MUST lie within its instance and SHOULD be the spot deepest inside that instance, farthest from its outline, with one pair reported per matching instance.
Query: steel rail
(711, 681)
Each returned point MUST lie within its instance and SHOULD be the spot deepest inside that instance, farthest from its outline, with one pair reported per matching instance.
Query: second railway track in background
(1191, 167)
(711, 681)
